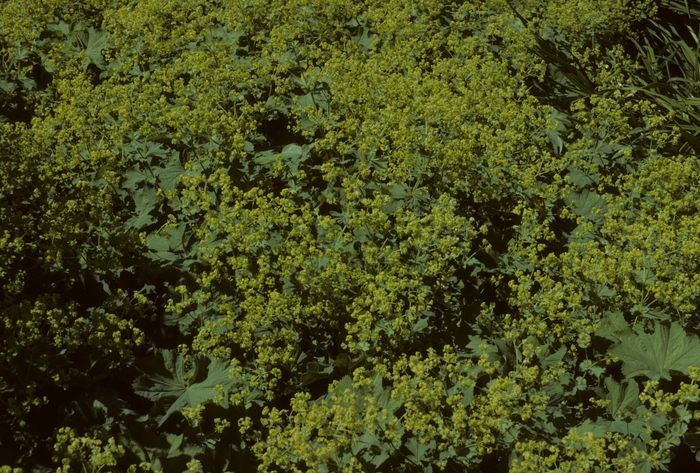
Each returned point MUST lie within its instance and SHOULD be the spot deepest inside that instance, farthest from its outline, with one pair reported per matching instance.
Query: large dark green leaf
(656, 355)
(169, 174)
(167, 383)
(623, 396)
(97, 40)
(145, 200)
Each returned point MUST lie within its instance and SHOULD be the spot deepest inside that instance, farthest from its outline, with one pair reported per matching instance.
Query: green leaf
(624, 396)
(291, 151)
(177, 449)
(468, 397)
(132, 177)
(139, 221)
(376, 460)
(313, 373)
(97, 40)
(255, 397)
(170, 387)
(173, 241)
(555, 140)
(633, 428)
(343, 384)
(420, 325)
(145, 200)
(151, 148)
(656, 355)
(63, 27)
(314, 99)
(582, 179)
(580, 235)
(168, 175)
(613, 326)
(399, 191)
(266, 157)
(384, 400)
(8, 87)
(365, 41)
(419, 450)
(176, 237)
(604, 291)
(365, 442)
(644, 276)
(561, 120)
(584, 203)
(598, 429)
(162, 256)
(591, 367)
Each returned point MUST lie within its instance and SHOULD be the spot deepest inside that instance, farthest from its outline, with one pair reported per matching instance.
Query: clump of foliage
(349, 236)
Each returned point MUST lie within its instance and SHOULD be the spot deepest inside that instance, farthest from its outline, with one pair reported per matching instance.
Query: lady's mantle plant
(346, 236)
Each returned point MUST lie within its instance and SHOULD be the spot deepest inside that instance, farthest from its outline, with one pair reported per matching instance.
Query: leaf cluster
(348, 236)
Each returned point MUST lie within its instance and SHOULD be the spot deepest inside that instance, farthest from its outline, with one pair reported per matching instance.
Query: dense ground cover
(313, 235)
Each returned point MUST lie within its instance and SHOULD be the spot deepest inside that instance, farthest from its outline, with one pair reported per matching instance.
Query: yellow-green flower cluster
(331, 192)
(84, 453)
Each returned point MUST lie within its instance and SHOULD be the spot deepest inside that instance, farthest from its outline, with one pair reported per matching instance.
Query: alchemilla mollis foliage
(343, 236)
